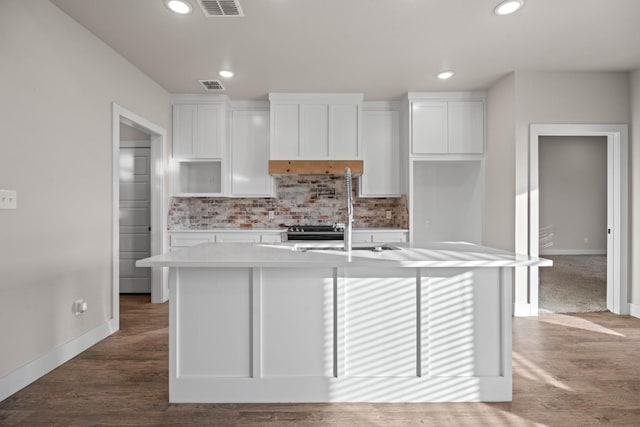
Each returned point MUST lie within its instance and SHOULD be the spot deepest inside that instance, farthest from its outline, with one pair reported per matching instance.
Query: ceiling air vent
(221, 8)
(211, 84)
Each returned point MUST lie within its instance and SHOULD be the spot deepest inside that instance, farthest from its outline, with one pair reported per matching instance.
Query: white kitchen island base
(340, 334)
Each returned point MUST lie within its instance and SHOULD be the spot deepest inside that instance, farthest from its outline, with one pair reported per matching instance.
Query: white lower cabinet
(189, 238)
(387, 236)
(238, 238)
(181, 239)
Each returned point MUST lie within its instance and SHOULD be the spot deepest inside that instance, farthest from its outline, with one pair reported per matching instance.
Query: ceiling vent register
(221, 8)
(211, 84)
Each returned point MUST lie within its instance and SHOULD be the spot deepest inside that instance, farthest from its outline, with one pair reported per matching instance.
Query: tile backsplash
(299, 200)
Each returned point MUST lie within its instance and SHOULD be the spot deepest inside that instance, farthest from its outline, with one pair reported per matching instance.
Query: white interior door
(134, 219)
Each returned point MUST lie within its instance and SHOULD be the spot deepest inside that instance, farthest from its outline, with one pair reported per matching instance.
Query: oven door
(315, 236)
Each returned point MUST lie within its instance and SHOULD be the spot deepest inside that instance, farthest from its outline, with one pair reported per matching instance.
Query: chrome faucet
(349, 222)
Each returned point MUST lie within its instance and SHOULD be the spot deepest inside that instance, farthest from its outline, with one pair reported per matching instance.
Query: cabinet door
(314, 131)
(361, 237)
(429, 128)
(466, 127)
(198, 131)
(381, 154)
(345, 142)
(210, 132)
(250, 154)
(238, 238)
(180, 240)
(184, 117)
(285, 131)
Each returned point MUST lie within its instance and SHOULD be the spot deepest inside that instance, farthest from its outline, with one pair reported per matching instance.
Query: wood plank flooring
(569, 370)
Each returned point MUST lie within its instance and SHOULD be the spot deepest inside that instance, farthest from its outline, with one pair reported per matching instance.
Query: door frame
(617, 206)
(159, 236)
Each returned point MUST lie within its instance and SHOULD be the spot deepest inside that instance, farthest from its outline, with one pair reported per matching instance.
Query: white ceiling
(382, 48)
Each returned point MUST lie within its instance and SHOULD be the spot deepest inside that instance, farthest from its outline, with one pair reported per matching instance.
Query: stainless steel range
(316, 232)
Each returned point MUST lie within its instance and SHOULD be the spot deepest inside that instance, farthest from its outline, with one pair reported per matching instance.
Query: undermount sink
(376, 248)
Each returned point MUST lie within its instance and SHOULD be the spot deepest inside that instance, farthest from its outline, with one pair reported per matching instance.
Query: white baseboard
(634, 310)
(573, 252)
(30, 372)
(522, 310)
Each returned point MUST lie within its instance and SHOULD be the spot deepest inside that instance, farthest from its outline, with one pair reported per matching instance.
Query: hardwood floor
(569, 370)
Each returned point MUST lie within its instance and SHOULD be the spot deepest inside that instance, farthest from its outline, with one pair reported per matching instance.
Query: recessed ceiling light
(508, 6)
(179, 6)
(445, 75)
(226, 74)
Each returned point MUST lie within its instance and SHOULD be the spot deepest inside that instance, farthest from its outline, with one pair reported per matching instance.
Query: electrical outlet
(8, 199)
(388, 215)
(79, 307)
(272, 214)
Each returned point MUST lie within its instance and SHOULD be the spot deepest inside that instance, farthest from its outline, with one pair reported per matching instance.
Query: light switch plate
(8, 199)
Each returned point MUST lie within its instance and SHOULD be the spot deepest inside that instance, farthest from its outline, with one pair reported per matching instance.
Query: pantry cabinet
(315, 126)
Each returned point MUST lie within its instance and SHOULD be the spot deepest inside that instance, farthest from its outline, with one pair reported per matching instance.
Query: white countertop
(454, 254)
(232, 230)
(280, 230)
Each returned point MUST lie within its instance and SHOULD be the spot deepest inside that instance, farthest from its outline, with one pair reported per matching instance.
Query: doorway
(617, 207)
(573, 223)
(135, 209)
(158, 237)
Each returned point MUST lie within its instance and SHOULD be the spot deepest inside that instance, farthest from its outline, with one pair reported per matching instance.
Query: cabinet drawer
(190, 240)
(238, 238)
(392, 237)
(271, 238)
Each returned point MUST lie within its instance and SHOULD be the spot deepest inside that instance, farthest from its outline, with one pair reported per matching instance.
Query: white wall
(448, 201)
(543, 97)
(573, 195)
(57, 85)
(634, 148)
(500, 189)
(128, 133)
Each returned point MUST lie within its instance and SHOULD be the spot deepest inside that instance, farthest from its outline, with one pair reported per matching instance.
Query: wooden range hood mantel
(315, 167)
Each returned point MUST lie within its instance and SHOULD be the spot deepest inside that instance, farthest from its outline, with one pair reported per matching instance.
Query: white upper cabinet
(345, 130)
(429, 127)
(466, 126)
(315, 126)
(381, 153)
(446, 126)
(250, 153)
(199, 130)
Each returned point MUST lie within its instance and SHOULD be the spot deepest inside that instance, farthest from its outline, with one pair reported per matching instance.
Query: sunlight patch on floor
(533, 372)
(577, 322)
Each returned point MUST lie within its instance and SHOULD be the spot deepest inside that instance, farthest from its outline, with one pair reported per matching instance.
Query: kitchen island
(290, 323)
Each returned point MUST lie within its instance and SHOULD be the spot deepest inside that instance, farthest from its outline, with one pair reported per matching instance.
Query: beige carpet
(575, 284)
